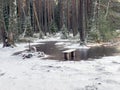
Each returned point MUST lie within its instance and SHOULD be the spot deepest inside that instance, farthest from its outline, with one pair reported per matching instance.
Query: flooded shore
(55, 52)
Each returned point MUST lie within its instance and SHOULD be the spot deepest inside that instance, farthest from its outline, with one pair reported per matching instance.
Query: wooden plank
(72, 55)
(66, 56)
(69, 54)
(68, 51)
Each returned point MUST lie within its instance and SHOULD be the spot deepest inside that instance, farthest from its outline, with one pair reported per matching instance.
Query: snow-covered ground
(37, 74)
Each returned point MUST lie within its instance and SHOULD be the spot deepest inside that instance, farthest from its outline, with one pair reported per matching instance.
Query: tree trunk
(39, 27)
(82, 21)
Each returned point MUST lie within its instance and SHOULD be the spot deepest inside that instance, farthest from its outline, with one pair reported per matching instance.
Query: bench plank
(69, 51)
(69, 54)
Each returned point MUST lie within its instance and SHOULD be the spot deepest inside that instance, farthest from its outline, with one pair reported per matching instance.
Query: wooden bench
(69, 54)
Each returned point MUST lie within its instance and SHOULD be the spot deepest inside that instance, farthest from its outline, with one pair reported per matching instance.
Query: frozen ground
(37, 74)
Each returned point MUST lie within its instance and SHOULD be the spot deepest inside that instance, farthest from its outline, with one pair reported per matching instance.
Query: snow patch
(38, 74)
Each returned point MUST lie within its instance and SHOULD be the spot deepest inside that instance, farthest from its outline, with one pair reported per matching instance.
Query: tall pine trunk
(82, 21)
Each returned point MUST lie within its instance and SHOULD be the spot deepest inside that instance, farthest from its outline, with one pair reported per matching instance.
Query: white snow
(71, 45)
(77, 46)
(38, 74)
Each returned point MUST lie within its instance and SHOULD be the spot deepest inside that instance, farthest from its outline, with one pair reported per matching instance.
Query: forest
(59, 44)
(92, 20)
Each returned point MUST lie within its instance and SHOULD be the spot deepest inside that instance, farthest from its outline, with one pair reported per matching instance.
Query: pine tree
(12, 28)
(2, 23)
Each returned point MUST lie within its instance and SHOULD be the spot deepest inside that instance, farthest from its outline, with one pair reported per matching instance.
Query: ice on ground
(60, 43)
(77, 46)
(71, 45)
(38, 74)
